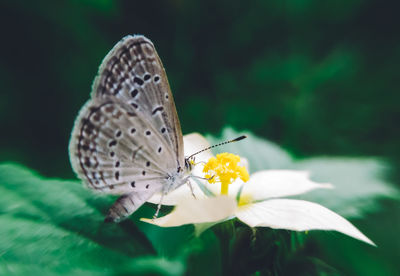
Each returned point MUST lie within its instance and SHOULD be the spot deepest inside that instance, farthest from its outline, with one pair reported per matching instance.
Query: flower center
(245, 199)
(224, 169)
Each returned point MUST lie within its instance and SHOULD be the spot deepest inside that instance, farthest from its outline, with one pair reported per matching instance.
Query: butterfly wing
(127, 138)
(116, 151)
(132, 74)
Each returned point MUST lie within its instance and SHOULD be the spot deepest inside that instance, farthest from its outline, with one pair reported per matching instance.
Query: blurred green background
(316, 77)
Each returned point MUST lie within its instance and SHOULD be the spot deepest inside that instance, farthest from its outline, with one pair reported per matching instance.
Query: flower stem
(225, 232)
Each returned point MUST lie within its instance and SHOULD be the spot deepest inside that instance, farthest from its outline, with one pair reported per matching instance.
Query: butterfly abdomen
(124, 207)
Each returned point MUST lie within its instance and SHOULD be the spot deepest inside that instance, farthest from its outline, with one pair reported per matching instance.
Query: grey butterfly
(127, 138)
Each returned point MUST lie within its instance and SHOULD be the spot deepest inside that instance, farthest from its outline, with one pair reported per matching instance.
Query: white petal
(195, 142)
(215, 188)
(298, 215)
(197, 211)
(279, 183)
(199, 228)
(177, 195)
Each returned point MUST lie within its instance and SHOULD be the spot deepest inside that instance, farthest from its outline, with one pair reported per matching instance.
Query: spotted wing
(115, 150)
(127, 138)
(132, 75)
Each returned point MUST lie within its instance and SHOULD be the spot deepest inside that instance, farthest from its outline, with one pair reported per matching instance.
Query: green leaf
(55, 226)
(358, 183)
(154, 266)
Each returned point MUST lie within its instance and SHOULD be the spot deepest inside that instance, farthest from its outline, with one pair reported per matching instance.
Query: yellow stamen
(224, 169)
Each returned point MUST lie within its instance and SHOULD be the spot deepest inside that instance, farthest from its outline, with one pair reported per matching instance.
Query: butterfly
(127, 139)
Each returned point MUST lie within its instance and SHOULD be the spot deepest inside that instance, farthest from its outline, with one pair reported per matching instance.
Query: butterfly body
(127, 138)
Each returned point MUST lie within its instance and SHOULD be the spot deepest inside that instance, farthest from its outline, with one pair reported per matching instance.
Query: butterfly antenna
(217, 145)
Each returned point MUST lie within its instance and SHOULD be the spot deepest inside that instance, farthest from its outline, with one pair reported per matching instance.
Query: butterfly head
(189, 163)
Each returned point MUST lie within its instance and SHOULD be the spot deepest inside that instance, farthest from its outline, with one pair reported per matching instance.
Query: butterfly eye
(189, 163)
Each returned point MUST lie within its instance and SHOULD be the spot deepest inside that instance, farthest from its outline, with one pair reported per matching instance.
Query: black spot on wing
(138, 81)
(157, 109)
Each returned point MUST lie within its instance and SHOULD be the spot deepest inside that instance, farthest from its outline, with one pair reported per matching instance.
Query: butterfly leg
(191, 188)
(159, 206)
(124, 207)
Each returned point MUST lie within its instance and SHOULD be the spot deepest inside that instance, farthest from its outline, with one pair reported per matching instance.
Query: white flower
(256, 203)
